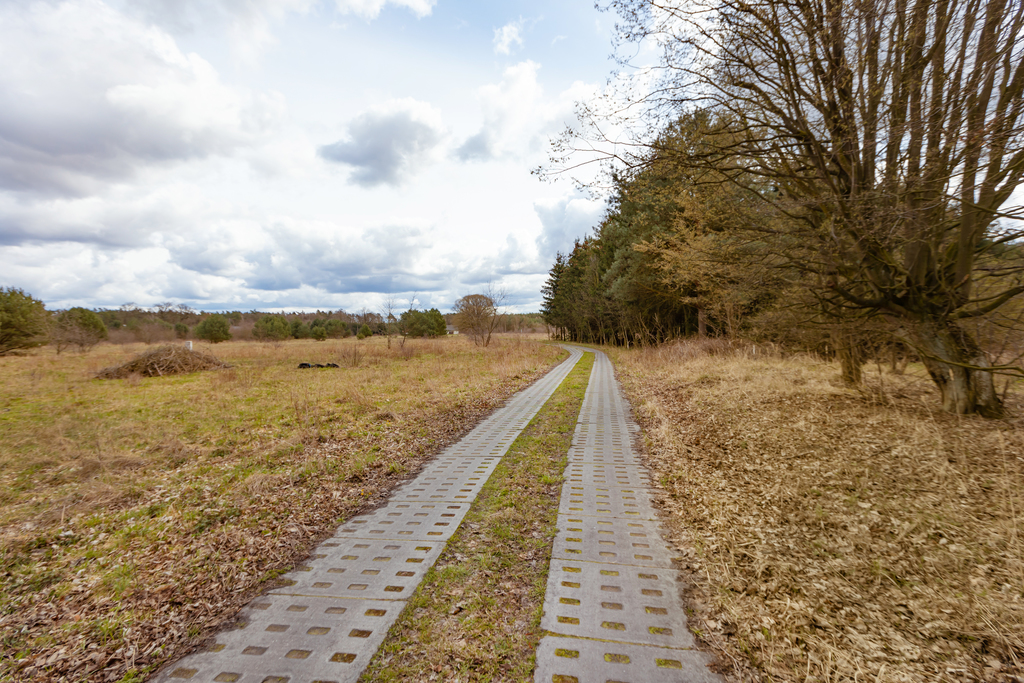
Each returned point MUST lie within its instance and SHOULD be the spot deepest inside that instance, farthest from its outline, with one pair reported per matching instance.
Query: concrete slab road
(612, 609)
(328, 621)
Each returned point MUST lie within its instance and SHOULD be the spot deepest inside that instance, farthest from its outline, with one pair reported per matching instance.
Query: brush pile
(164, 360)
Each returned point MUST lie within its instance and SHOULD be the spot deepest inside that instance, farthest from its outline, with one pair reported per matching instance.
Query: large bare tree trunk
(955, 363)
(850, 355)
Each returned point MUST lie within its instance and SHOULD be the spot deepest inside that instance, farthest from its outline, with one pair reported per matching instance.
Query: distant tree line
(25, 323)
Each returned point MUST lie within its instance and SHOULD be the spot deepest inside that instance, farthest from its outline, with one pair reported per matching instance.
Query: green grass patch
(476, 616)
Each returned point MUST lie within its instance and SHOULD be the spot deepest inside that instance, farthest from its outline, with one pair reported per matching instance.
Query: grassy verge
(136, 515)
(476, 616)
(837, 534)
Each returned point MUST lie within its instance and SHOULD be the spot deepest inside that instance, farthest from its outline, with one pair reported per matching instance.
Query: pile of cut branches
(164, 360)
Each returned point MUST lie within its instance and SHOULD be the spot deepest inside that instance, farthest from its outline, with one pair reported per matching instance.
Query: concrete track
(612, 609)
(331, 618)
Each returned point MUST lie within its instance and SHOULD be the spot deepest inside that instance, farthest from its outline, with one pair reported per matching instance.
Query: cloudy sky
(286, 154)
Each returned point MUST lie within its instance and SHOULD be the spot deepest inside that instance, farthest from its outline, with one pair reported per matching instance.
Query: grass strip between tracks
(476, 616)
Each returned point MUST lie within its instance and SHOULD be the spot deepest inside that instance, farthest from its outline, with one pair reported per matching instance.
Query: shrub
(181, 330)
(22, 321)
(364, 332)
(300, 330)
(214, 328)
(272, 328)
(438, 327)
(319, 332)
(77, 327)
(336, 328)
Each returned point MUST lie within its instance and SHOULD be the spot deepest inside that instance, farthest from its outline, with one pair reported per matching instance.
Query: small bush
(319, 332)
(336, 329)
(364, 332)
(300, 330)
(22, 321)
(214, 329)
(271, 328)
(77, 327)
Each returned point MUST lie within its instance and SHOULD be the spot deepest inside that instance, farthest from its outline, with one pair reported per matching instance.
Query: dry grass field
(839, 535)
(137, 514)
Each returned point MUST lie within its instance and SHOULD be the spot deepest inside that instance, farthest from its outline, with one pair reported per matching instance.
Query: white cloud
(564, 221)
(388, 144)
(88, 95)
(519, 117)
(369, 9)
(508, 34)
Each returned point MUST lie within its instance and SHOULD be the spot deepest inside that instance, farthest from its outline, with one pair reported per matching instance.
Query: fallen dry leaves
(831, 534)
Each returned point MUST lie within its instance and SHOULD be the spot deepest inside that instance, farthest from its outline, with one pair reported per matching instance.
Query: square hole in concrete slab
(318, 630)
(375, 612)
(298, 654)
(345, 657)
(568, 620)
(335, 610)
(254, 650)
(227, 677)
(184, 673)
(277, 628)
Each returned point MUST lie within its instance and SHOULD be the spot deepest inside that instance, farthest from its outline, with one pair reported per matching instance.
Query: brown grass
(840, 535)
(138, 514)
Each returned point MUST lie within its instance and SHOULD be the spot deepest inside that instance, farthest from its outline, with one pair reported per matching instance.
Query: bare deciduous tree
(889, 131)
(478, 315)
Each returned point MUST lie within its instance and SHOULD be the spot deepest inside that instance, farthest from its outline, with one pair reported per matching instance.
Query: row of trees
(25, 323)
(847, 161)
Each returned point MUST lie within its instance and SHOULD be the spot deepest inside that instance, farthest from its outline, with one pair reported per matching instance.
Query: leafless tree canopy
(478, 315)
(888, 132)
